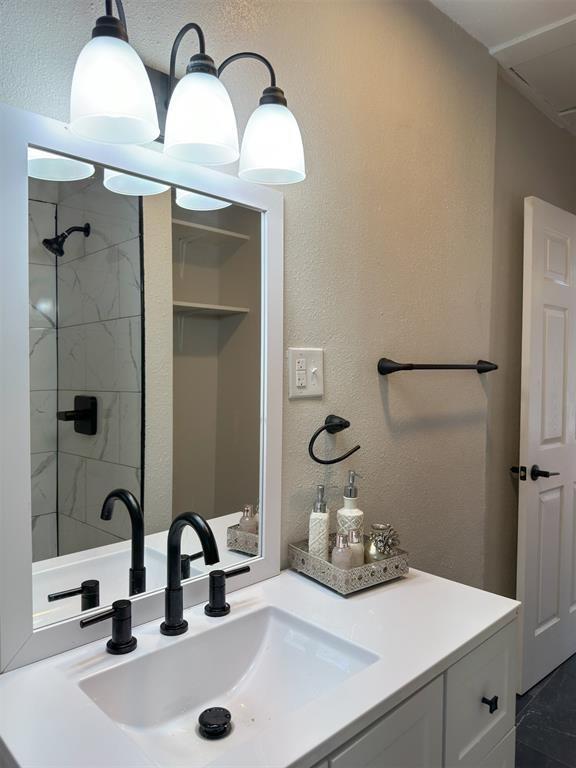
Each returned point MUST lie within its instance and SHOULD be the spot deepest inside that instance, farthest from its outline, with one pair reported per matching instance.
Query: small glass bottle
(248, 522)
(342, 554)
(356, 547)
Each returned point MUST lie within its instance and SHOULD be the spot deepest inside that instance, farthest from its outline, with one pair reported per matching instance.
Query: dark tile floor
(546, 721)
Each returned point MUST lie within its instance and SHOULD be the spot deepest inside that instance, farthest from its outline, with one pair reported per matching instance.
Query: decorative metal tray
(242, 541)
(346, 581)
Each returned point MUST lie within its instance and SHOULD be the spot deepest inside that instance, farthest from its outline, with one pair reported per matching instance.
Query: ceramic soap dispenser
(319, 526)
(349, 517)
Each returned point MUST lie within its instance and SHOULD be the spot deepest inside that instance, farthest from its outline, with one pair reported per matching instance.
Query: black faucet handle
(185, 561)
(89, 591)
(217, 605)
(122, 640)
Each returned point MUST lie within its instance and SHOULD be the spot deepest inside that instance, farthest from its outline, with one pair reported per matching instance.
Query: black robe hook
(332, 425)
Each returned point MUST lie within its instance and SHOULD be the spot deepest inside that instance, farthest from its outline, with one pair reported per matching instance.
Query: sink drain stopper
(215, 723)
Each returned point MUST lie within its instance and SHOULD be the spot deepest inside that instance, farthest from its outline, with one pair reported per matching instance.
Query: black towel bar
(386, 366)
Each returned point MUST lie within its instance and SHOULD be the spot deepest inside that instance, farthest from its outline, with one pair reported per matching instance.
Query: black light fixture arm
(332, 425)
(249, 55)
(121, 14)
(272, 94)
(176, 45)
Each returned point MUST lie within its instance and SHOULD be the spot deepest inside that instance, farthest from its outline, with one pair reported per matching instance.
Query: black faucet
(137, 569)
(175, 624)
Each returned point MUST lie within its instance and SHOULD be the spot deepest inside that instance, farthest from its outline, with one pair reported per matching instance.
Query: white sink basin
(261, 666)
(111, 569)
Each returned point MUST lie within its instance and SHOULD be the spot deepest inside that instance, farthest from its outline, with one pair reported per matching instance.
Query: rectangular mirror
(145, 329)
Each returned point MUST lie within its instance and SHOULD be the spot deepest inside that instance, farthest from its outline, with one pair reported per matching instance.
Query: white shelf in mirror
(206, 233)
(209, 310)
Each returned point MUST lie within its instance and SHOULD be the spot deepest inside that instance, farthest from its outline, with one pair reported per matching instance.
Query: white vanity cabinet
(446, 724)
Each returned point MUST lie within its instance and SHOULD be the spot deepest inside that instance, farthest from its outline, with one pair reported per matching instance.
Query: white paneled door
(547, 501)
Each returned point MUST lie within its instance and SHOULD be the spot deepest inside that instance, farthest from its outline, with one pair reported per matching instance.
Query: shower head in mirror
(56, 244)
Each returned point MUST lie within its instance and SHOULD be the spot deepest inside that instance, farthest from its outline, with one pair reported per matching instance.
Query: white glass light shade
(200, 124)
(125, 184)
(272, 151)
(111, 99)
(192, 201)
(49, 167)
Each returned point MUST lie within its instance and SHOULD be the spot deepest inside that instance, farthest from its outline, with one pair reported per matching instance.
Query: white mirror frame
(20, 644)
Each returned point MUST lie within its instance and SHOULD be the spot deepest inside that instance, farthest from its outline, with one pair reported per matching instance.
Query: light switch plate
(305, 372)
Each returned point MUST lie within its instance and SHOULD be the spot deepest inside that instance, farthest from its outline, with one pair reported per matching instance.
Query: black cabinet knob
(492, 703)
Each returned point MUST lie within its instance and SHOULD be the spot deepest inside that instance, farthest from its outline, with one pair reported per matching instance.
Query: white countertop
(417, 626)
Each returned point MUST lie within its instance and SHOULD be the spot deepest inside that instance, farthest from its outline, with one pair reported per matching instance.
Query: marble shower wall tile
(72, 358)
(43, 362)
(72, 485)
(43, 429)
(44, 537)
(130, 278)
(74, 247)
(113, 355)
(45, 191)
(101, 478)
(104, 445)
(44, 484)
(130, 429)
(41, 224)
(109, 230)
(93, 197)
(42, 284)
(76, 536)
(89, 289)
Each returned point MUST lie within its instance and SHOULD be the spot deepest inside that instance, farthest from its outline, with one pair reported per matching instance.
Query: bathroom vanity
(419, 672)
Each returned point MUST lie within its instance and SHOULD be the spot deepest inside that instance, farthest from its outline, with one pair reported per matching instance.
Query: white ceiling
(534, 41)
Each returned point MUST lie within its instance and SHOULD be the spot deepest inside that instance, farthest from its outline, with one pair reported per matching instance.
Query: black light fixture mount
(111, 26)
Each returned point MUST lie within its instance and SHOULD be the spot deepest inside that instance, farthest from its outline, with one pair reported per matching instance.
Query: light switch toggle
(305, 372)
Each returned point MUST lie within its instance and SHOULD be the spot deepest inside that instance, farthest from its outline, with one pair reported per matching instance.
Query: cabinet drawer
(503, 755)
(488, 671)
(409, 737)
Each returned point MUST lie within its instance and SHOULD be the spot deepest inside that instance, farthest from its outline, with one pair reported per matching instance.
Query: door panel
(546, 530)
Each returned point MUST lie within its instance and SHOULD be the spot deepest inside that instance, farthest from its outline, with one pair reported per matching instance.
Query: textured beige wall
(388, 242)
(533, 157)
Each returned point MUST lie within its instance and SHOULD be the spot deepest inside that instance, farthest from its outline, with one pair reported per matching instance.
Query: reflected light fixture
(50, 167)
(272, 150)
(126, 184)
(200, 122)
(111, 99)
(193, 201)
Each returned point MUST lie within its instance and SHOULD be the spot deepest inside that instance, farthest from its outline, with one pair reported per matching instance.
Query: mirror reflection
(145, 369)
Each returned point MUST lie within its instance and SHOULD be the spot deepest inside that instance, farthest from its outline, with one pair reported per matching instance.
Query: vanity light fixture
(272, 150)
(126, 184)
(192, 201)
(112, 99)
(200, 123)
(49, 167)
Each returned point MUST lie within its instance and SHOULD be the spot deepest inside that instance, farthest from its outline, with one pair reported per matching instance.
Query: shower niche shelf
(191, 308)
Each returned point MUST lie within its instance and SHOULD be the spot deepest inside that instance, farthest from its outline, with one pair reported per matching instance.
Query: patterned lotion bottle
(319, 529)
(349, 517)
